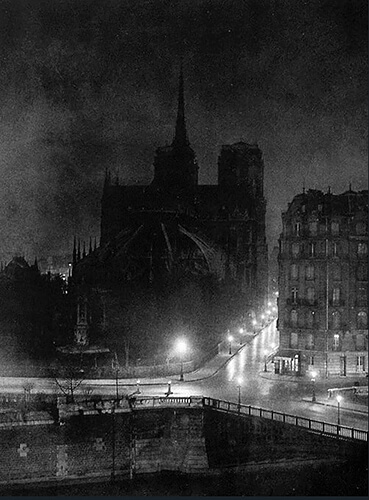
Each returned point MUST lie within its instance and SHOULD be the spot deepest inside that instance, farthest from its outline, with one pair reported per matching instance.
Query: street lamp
(181, 349)
(265, 360)
(313, 375)
(138, 387)
(239, 382)
(254, 322)
(339, 399)
(169, 391)
(230, 338)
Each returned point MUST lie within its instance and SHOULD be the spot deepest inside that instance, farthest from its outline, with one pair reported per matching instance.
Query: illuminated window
(336, 296)
(336, 342)
(362, 320)
(362, 249)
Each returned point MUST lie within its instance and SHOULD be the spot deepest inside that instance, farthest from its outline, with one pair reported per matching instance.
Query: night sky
(90, 85)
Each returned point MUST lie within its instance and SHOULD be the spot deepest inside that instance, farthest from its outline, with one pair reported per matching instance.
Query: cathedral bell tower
(175, 166)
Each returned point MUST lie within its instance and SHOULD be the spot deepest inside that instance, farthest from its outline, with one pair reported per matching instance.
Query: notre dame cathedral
(175, 256)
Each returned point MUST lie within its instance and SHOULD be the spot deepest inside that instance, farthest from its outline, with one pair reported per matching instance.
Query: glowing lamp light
(230, 338)
(254, 322)
(241, 330)
(181, 346)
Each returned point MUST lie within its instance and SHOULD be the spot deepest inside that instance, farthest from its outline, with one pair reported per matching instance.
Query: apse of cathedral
(175, 255)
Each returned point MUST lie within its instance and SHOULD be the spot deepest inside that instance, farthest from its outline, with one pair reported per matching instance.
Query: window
(294, 272)
(312, 249)
(311, 295)
(294, 294)
(320, 207)
(336, 342)
(334, 249)
(310, 272)
(362, 295)
(310, 341)
(295, 249)
(336, 272)
(336, 320)
(311, 360)
(336, 296)
(362, 320)
(310, 319)
(360, 363)
(293, 317)
(303, 208)
(313, 228)
(335, 228)
(294, 340)
(362, 249)
(362, 272)
(297, 228)
(361, 228)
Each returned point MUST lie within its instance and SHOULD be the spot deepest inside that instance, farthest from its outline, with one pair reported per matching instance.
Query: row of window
(334, 344)
(300, 271)
(335, 295)
(334, 226)
(309, 319)
(360, 363)
(325, 249)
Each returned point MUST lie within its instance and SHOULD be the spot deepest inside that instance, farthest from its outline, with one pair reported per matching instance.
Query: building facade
(323, 281)
(174, 233)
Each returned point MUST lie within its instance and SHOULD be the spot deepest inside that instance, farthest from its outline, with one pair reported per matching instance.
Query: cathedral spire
(180, 138)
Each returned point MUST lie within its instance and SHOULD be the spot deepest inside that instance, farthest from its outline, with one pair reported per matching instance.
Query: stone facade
(323, 281)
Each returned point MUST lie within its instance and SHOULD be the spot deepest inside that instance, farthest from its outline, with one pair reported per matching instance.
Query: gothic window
(294, 271)
(313, 228)
(311, 295)
(362, 249)
(336, 320)
(335, 228)
(294, 340)
(295, 249)
(362, 320)
(310, 272)
(297, 228)
(336, 293)
(293, 317)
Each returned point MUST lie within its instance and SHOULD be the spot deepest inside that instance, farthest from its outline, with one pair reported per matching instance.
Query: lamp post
(230, 338)
(265, 360)
(239, 382)
(181, 349)
(313, 375)
(339, 399)
(254, 325)
(138, 387)
(169, 391)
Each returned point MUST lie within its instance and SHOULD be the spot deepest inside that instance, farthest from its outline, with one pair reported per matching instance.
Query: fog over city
(89, 85)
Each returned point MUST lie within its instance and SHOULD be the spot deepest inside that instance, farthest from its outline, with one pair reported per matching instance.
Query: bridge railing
(327, 428)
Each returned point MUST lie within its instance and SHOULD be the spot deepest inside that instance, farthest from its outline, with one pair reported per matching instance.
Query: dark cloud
(86, 85)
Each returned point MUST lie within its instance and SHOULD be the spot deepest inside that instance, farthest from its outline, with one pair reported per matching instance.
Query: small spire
(180, 138)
